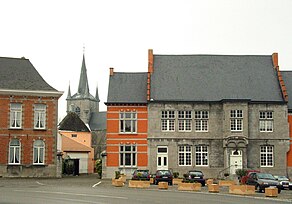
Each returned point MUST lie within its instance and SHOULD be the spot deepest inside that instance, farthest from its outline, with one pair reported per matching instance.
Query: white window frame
(184, 121)
(201, 155)
(14, 152)
(202, 121)
(267, 156)
(185, 155)
(168, 121)
(266, 123)
(38, 152)
(40, 114)
(15, 115)
(236, 120)
(128, 122)
(125, 152)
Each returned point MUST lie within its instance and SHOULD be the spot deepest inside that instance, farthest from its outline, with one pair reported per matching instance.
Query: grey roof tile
(127, 88)
(214, 78)
(20, 74)
(72, 122)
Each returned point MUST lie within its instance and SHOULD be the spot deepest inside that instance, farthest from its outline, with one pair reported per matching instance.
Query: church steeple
(69, 92)
(96, 94)
(83, 87)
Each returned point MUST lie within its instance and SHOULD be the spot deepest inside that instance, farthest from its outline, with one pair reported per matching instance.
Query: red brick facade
(27, 134)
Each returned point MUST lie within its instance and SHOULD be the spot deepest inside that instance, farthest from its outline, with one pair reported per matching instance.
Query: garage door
(83, 161)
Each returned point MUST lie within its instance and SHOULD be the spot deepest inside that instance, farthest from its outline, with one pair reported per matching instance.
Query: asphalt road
(89, 189)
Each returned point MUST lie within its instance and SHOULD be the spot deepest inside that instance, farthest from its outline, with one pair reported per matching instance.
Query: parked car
(195, 176)
(284, 181)
(141, 174)
(248, 172)
(163, 175)
(262, 181)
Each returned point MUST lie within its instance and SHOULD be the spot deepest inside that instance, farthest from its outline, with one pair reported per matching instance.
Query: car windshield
(143, 172)
(266, 176)
(195, 173)
(164, 173)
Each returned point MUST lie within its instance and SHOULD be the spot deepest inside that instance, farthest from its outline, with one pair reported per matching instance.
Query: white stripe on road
(96, 184)
(78, 194)
(40, 183)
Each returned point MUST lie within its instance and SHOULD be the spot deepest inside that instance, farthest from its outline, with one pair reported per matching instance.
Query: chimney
(150, 61)
(111, 71)
(275, 60)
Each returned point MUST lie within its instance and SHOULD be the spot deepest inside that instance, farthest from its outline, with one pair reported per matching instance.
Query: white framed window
(167, 120)
(15, 115)
(38, 152)
(184, 121)
(40, 116)
(128, 122)
(266, 121)
(128, 155)
(14, 152)
(236, 120)
(201, 121)
(267, 156)
(185, 155)
(202, 155)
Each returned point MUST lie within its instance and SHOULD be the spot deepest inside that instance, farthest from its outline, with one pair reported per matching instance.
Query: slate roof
(214, 78)
(20, 74)
(98, 121)
(69, 145)
(127, 88)
(72, 122)
(287, 77)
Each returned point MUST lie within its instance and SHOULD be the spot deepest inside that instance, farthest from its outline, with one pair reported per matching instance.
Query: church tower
(82, 102)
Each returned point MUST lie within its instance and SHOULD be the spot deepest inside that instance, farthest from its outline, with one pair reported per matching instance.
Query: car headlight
(265, 183)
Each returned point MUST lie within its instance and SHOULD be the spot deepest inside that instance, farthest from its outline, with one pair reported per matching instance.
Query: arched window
(77, 111)
(14, 151)
(39, 152)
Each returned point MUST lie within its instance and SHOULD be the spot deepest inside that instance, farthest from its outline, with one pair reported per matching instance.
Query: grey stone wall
(217, 135)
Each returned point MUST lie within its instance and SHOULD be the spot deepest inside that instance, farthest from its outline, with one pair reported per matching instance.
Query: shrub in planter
(175, 174)
(241, 173)
(226, 174)
(117, 174)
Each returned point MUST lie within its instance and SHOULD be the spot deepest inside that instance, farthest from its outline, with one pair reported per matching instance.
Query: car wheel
(290, 188)
(170, 183)
(279, 190)
(257, 188)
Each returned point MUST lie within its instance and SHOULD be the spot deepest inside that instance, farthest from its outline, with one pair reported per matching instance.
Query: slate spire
(96, 94)
(69, 92)
(83, 87)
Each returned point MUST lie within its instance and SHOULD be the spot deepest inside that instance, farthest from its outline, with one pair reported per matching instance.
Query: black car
(262, 181)
(195, 176)
(141, 174)
(163, 175)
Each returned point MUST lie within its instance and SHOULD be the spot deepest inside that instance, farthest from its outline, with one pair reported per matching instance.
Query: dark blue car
(195, 176)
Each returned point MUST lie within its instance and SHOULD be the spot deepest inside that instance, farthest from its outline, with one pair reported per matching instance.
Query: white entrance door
(235, 161)
(162, 158)
(83, 161)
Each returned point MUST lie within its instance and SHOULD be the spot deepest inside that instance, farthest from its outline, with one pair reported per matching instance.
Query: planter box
(189, 187)
(177, 181)
(151, 180)
(271, 192)
(242, 189)
(213, 188)
(123, 178)
(209, 181)
(226, 183)
(162, 185)
(139, 184)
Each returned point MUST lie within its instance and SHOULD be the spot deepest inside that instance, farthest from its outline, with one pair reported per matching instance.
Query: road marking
(40, 183)
(96, 184)
(77, 194)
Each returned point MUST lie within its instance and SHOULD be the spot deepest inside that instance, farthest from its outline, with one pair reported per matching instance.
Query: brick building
(127, 123)
(28, 121)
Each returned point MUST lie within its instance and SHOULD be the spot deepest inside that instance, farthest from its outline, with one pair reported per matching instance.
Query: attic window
(74, 135)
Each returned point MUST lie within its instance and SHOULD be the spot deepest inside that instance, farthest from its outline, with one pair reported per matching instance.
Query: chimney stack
(150, 61)
(275, 60)
(111, 71)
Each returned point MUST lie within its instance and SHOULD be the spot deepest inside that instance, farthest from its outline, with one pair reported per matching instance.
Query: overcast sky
(118, 33)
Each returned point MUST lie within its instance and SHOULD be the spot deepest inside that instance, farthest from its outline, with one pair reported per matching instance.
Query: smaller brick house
(127, 122)
(28, 121)
(76, 142)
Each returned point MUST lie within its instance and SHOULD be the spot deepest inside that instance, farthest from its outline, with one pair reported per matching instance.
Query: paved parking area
(92, 181)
